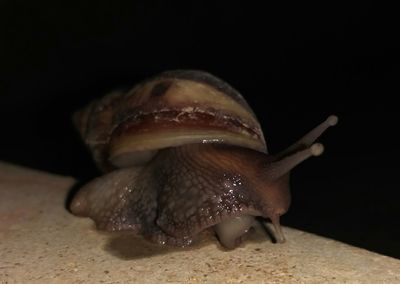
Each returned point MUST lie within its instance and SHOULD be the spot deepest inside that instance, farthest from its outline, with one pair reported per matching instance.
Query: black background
(295, 63)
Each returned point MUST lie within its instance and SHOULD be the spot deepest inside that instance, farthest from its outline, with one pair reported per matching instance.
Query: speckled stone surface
(41, 242)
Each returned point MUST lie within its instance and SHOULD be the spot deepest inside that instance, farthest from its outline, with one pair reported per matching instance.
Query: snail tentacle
(282, 166)
(311, 136)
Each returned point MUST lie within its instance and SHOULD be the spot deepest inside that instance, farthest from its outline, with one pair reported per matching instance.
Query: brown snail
(184, 153)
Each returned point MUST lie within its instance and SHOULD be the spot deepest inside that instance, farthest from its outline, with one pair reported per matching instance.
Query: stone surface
(41, 242)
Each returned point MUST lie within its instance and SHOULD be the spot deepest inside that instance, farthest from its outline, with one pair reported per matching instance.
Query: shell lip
(182, 118)
(175, 128)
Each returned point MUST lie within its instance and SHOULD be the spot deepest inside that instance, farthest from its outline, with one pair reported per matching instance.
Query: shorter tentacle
(280, 167)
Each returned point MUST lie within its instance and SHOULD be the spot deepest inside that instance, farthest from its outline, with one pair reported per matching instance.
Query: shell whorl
(171, 109)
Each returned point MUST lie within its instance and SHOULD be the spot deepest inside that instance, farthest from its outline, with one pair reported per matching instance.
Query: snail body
(183, 152)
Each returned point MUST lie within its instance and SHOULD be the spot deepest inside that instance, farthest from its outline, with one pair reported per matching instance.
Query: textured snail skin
(184, 153)
(183, 191)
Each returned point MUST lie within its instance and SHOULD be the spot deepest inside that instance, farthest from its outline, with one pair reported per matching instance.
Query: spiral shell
(172, 109)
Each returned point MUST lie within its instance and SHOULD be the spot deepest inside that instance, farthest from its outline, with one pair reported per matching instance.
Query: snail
(183, 153)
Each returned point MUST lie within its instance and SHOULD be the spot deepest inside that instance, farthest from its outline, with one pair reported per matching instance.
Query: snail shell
(183, 152)
(173, 109)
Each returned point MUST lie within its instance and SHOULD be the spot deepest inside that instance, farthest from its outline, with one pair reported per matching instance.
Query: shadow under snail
(183, 152)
